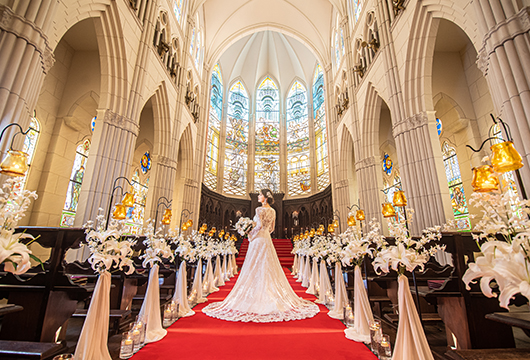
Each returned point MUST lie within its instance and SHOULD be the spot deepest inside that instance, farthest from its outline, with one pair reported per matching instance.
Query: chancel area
(391, 138)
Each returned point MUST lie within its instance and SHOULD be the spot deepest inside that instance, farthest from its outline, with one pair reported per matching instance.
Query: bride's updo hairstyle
(268, 195)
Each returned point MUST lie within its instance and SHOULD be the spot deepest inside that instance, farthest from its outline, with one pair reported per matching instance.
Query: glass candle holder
(64, 357)
(375, 335)
(136, 335)
(348, 316)
(141, 324)
(127, 345)
(384, 350)
(168, 316)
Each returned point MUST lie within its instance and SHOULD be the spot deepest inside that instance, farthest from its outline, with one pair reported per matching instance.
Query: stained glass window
(298, 164)
(508, 178)
(192, 42)
(357, 7)
(214, 127)
(74, 186)
(135, 214)
(267, 161)
(456, 188)
(439, 126)
(236, 153)
(319, 115)
(93, 124)
(198, 50)
(177, 8)
(337, 49)
(343, 49)
(30, 144)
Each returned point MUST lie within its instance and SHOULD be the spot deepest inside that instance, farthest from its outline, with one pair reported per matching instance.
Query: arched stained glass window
(136, 213)
(192, 42)
(177, 8)
(357, 7)
(319, 116)
(298, 165)
(198, 50)
(267, 161)
(337, 48)
(508, 178)
(236, 153)
(343, 49)
(214, 128)
(74, 186)
(30, 144)
(456, 188)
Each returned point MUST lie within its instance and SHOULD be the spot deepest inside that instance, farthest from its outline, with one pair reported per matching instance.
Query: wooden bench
(116, 316)
(489, 354)
(427, 317)
(30, 350)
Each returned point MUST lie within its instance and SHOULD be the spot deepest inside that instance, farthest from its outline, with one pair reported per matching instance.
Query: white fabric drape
(181, 292)
(307, 272)
(92, 344)
(151, 308)
(295, 265)
(226, 276)
(341, 296)
(325, 292)
(218, 274)
(301, 267)
(411, 343)
(209, 280)
(197, 291)
(362, 311)
(229, 266)
(314, 279)
(234, 264)
(444, 258)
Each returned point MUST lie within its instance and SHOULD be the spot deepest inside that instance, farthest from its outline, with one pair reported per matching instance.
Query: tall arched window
(192, 42)
(74, 186)
(342, 47)
(214, 128)
(267, 161)
(319, 115)
(198, 50)
(30, 144)
(456, 188)
(357, 7)
(136, 213)
(337, 49)
(298, 164)
(177, 8)
(236, 153)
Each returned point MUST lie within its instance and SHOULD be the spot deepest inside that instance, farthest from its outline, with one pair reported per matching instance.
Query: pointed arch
(162, 122)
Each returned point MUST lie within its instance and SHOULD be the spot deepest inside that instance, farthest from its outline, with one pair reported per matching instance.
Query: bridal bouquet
(13, 204)
(109, 248)
(157, 248)
(506, 261)
(407, 253)
(244, 226)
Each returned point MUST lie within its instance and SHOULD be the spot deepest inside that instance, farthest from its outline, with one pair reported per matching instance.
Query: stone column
(162, 182)
(504, 62)
(110, 156)
(368, 177)
(25, 57)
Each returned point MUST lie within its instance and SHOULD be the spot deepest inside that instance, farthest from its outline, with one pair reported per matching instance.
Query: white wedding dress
(262, 292)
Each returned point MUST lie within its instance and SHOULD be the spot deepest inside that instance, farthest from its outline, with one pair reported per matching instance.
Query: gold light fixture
(221, 233)
(359, 215)
(166, 220)
(128, 199)
(484, 179)
(189, 223)
(120, 212)
(331, 228)
(312, 232)
(505, 158)
(227, 236)
(15, 163)
(335, 223)
(351, 220)
(399, 199)
(388, 210)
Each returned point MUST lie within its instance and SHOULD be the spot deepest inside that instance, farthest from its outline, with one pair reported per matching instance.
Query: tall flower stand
(209, 280)
(307, 272)
(197, 291)
(325, 293)
(341, 296)
(363, 313)
(218, 274)
(181, 292)
(151, 308)
(234, 265)
(411, 343)
(295, 266)
(92, 344)
(314, 279)
(301, 267)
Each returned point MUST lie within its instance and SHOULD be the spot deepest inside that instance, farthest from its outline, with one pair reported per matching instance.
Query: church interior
(390, 133)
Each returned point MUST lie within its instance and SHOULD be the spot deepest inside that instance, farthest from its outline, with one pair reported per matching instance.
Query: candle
(168, 316)
(127, 346)
(385, 352)
(349, 319)
(375, 335)
(136, 336)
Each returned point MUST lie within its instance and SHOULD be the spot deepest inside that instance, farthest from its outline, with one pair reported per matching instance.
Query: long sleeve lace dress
(262, 292)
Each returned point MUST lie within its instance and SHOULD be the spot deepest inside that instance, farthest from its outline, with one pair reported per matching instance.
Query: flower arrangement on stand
(504, 242)
(157, 249)
(187, 253)
(109, 250)
(14, 255)
(406, 255)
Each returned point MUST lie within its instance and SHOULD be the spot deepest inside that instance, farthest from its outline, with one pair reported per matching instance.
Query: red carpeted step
(283, 250)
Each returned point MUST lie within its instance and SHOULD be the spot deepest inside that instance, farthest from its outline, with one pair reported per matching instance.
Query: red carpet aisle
(203, 337)
(283, 249)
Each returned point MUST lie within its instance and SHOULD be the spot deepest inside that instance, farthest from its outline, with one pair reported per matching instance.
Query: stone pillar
(110, 156)
(25, 57)
(163, 180)
(504, 62)
(422, 170)
(368, 177)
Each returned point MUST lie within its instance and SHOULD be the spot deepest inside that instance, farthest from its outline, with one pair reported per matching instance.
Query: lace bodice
(265, 219)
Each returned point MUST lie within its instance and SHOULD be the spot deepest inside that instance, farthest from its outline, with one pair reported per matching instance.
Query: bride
(262, 292)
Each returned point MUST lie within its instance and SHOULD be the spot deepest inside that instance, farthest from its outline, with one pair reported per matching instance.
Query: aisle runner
(203, 337)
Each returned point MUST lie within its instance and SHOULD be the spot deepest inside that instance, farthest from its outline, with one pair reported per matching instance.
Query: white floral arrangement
(187, 246)
(356, 247)
(157, 247)
(13, 205)
(244, 226)
(109, 248)
(506, 261)
(407, 253)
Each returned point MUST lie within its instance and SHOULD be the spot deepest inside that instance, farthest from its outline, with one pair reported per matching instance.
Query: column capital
(411, 123)
(165, 161)
(365, 163)
(113, 119)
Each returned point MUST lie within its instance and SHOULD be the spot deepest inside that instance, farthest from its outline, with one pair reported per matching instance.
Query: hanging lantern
(335, 223)
(399, 199)
(351, 220)
(120, 212)
(189, 223)
(331, 228)
(312, 232)
(15, 163)
(128, 200)
(221, 234)
(227, 236)
(359, 215)
(166, 220)
(484, 179)
(388, 210)
(505, 158)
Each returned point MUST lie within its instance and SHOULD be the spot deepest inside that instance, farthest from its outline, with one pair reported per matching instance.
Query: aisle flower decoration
(13, 205)
(356, 247)
(157, 247)
(507, 261)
